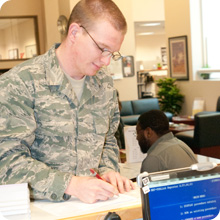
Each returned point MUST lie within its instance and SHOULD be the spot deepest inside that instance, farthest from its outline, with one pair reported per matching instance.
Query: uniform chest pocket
(54, 118)
(101, 124)
(94, 121)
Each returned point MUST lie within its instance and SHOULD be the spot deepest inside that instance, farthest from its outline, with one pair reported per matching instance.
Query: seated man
(164, 151)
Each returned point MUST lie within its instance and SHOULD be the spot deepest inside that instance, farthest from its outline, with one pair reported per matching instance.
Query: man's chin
(95, 67)
(92, 73)
(144, 152)
(144, 149)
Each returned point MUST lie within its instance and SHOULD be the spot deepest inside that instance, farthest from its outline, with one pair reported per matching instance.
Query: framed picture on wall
(128, 66)
(13, 54)
(31, 51)
(178, 56)
(164, 56)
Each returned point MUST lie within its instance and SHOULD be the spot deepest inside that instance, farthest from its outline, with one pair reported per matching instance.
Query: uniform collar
(57, 80)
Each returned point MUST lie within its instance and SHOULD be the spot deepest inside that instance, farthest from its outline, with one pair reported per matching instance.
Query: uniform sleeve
(17, 126)
(110, 155)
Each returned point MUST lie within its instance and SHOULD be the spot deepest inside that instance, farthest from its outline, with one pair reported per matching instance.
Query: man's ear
(74, 28)
(148, 132)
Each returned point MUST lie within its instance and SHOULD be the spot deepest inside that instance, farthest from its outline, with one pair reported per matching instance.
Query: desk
(203, 159)
(130, 170)
(184, 119)
(175, 128)
(129, 210)
(126, 213)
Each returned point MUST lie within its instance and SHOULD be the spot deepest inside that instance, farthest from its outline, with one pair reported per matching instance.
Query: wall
(21, 8)
(133, 10)
(178, 24)
(65, 7)
(148, 49)
(127, 87)
(14, 37)
(2, 45)
(47, 11)
(148, 10)
(28, 42)
(145, 10)
(128, 48)
(51, 16)
(53, 9)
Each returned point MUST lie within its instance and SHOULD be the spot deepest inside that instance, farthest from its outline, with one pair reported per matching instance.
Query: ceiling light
(150, 24)
(145, 33)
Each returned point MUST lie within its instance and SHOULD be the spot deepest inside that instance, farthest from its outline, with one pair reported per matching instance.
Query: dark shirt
(120, 135)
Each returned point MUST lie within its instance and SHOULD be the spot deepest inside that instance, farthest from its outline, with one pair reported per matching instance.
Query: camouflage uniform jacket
(47, 135)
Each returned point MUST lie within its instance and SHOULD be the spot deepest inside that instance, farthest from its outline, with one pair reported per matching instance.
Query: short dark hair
(156, 120)
(87, 12)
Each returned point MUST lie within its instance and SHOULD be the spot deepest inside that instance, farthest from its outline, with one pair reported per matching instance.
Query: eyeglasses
(105, 53)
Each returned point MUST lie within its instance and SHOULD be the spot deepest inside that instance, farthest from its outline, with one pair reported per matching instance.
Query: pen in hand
(96, 174)
(99, 177)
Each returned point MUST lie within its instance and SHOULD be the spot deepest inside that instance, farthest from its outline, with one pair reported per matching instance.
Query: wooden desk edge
(126, 213)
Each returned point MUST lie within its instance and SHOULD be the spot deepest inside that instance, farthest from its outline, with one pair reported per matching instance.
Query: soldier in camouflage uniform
(59, 112)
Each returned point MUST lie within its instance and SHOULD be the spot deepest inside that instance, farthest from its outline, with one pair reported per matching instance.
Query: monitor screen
(185, 199)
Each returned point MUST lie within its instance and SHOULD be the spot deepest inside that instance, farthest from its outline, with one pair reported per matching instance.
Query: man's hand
(90, 189)
(121, 183)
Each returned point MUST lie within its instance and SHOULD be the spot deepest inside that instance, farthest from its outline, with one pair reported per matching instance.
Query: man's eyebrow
(103, 46)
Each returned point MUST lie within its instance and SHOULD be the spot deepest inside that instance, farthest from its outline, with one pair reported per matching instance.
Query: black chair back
(207, 130)
(218, 105)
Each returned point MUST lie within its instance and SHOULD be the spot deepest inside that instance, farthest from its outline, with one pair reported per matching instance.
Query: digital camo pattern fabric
(47, 135)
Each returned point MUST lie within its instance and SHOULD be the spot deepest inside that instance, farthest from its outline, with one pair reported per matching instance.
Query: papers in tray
(15, 201)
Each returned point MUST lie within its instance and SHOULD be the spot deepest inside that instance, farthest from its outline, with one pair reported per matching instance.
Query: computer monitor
(180, 194)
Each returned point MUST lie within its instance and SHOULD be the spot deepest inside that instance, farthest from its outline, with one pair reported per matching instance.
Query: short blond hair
(87, 12)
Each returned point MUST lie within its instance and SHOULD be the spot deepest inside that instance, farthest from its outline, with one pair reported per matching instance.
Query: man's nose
(106, 60)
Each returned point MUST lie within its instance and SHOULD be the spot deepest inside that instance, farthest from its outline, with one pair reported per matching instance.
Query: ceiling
(140, 28)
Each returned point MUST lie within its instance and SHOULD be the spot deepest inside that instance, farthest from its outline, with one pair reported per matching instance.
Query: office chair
(205, 139)
(211, 112)
(218, 105)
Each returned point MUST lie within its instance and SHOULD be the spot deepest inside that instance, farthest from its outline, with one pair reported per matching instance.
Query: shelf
(151, 70)
(146, 85)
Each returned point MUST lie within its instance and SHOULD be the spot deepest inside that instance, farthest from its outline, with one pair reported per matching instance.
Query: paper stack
(15, 201)
(133, 150)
